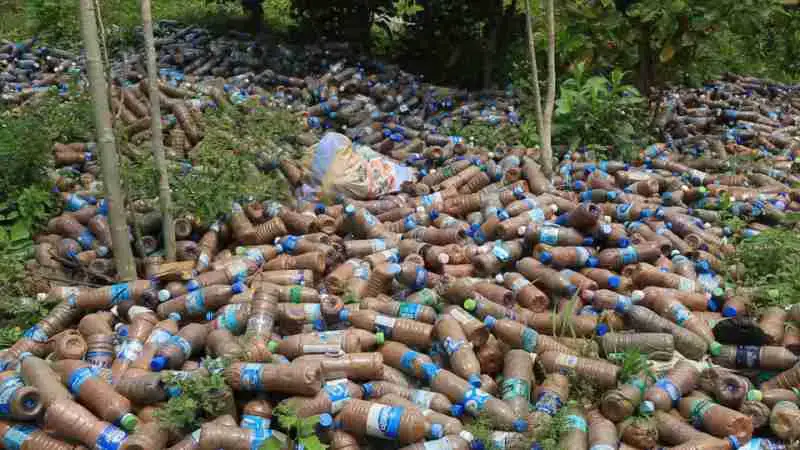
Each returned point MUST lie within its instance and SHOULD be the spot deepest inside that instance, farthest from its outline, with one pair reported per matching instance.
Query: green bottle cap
(380, 338)
(754, 395)
(470, 304)
(715, 348)
(273, 346)
(128, 422)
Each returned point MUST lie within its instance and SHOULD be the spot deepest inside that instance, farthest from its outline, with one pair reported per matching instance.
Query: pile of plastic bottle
(482, 292)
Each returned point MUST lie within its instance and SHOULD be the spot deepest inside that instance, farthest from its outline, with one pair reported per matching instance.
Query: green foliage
(601, 113)
(632, 363)
(24, 312)
(549, 437)
(224, 170)
(584, 390)
(9, 336)
(301, 429)
(199, 399)
(485, 135)
(771, 262)
(139, 178)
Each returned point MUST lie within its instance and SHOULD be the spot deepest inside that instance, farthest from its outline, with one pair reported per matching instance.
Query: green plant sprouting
(199, 399)
(771, 267)
(301, 430)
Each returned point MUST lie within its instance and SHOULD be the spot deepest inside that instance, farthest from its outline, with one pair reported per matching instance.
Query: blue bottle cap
(489, 321)
(729, 311)
(601, 329)
(611, 195)
(712, 304)
(475, 380)
(437, 430)
(476, 445)
(158, 363)
(588, 241)
(572, 290)
(592, 262)
(325, 420)
(122, 330)
(520, 425)
(614, 281)
(238, 287)
(546, 257)
(368, 390)
(434, 214)
(344, 315)
(457, 410)
(623, 243)
(734, 441)
(192, 285)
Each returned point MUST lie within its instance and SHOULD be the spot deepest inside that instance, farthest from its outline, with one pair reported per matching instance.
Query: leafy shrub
(198, 400)
(601, 113)
(771, 262)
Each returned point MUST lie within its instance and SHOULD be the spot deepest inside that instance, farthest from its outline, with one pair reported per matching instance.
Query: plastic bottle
(602, 432)
(146, 389)
(214, 436)
(180, 347)
(297, 379)
(348, 341)
(674, 430)
(72, 420)
(95, 393)
(638, 432)
(692, 300)
(667, 391)
(106, 297)
(37, 373)
(620, 403)
(363, 418)
(601, 372)
(784, 421)
(658, 346)
(19, 402)
(460, 441)
(149, 435)
(335, 394)
(545, 277)
(354, 366)
(550, 396)
(69, 344)
(675, 311)
(752, 357)
(716, 419)
(525, 293)
(687, 343)
(460, 354)
(162, 332)
(403, 310)
(29, 437)
(519, 336)
(773, 322)
(198, 302)
(256, 415)
(517, 381)
(410, 332)
(423, 399)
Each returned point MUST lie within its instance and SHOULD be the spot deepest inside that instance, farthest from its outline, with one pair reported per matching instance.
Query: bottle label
(699, 410)
(331, 336)
(426, 297)
(229, 319)
(258, 325)
(474, 400)
(255, 423)
(384, 421)
(422, 398)
(100, 358)
(384, 324)
(159, 337)
(451, 346)
(409, 310)
(581, 256)
(195, 302)
(462, 317)
(548, 235)
(337, 393)
(420, 279)
(685, 284)
(238, 270)
(577, 423)
(78, 377)
(119, 292)
(35, 333)
(289, 243)
(110, 439)
(407, 360)
(203, 261)
(378, 245)
(439, 444)
(501, 252)
(17, 435)
(566, 363)
(183, 344)
(628, 255)
(516, 388)
(529, 339)
(295, 294)
(518, 284)
(669, 387)
(313, 311)
(602, 447)
(430, 371)
(679, 313)
(322, 349)
(548, 403)
(7, 390)
(250, 377)
(536, 215)
(748, 356)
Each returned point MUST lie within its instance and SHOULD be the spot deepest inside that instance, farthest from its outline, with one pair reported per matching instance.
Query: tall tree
(544, 113)
(109, 161)
(164, 194)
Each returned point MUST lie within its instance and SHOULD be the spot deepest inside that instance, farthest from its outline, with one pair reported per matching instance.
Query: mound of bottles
(482, 292)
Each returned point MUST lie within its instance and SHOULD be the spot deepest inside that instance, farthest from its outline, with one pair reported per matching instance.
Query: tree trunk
(547, 139)
(164, 194)
(537, 96)
(123, 256)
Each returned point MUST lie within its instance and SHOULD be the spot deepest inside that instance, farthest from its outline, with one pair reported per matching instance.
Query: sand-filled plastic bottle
(37, 373)
(363, 418)
(517, 381)
(148, 436)
(403, 310)
(601, 372)
(459, 351)
(602, 432)
(197, 303)
(674, 429)
(519, 336)
(19, 402)
(752, 357)
(331, 399)
(544, 277)
(622, 402)
(69, 419)
(145, 389)
(29, 437)
(215, 436)
(106, 297)
(716, 419)
(85, 383)
(667, 391)
(440, 423)
(422, 398)
(549, 397)
(410, 332)
(686, 342)
(658, 346)
(333, 342)
(353, 366)
(474, 329)
(784, 421)
(180, 347)
(296, 379)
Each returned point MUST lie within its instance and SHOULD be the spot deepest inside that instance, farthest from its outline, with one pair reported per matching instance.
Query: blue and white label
(250, 377)
(548, 235)
(669, 387)
(183, 344)
(337, 393)
(78, 377)
(384, 324)
(110, 439)
(451, 346)
(119, 292)
(409, 310)
(35, 333)
(629, 255)
(422, 398)
(529, 339)
(255, 423)
(159, 337)
(7, 390)
(17, 435)
(748, 356)
(195, 302)
(384, 421)
(474, 400)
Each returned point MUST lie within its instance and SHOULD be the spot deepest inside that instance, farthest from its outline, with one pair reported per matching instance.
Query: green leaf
(19, 232)
(307, 426)
(271, 444)
(312, 443)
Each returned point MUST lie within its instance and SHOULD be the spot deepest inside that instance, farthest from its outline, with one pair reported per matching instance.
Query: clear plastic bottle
(363, 418)
(460, 354)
